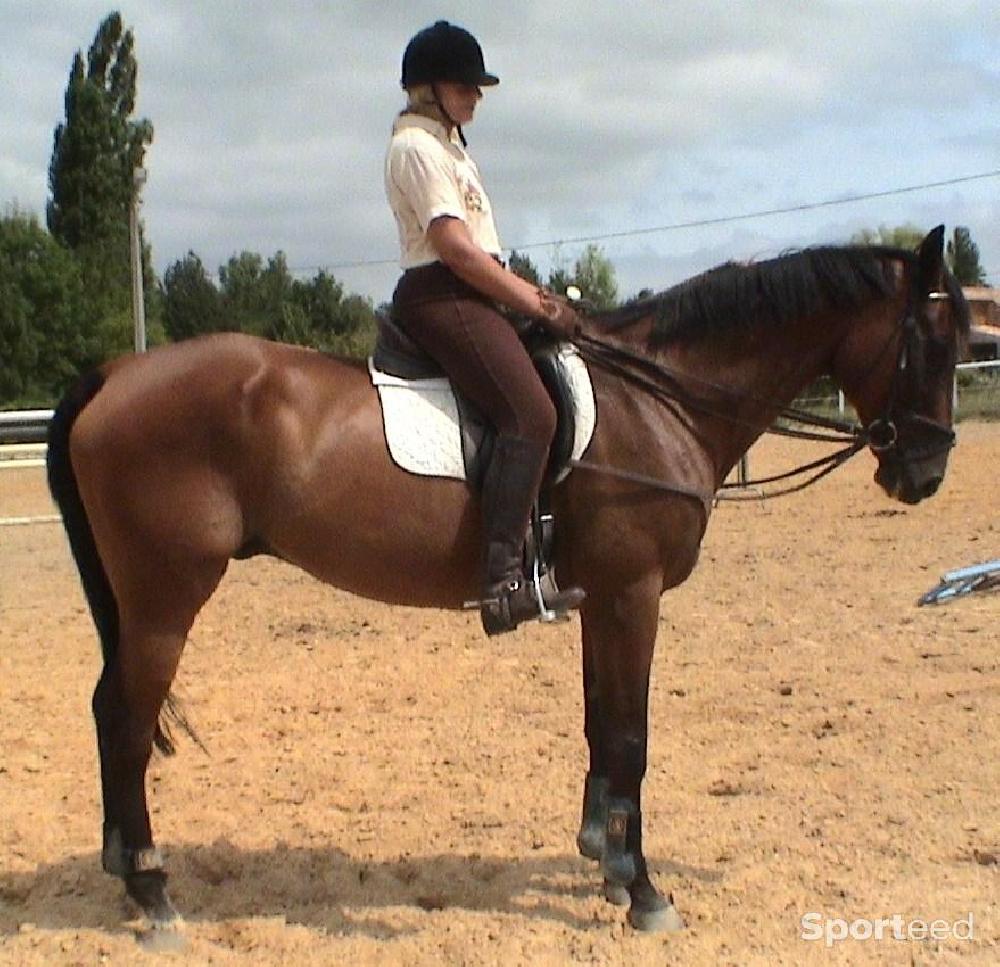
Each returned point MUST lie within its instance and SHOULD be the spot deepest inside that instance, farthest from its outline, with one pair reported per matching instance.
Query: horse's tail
(93, 577)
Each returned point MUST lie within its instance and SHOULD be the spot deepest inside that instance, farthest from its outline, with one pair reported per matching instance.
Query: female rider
(447, 302)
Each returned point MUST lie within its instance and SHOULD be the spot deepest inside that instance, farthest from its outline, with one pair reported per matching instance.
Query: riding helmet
(445, 52)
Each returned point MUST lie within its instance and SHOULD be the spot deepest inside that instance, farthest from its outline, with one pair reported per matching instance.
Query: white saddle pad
(421, 417)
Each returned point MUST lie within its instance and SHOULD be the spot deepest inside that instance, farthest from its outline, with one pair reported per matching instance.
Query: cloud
(271, 119)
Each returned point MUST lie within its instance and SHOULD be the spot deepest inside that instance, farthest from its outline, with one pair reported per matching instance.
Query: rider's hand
(557, 315)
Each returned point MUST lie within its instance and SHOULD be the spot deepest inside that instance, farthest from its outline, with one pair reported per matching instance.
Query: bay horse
(168, 465)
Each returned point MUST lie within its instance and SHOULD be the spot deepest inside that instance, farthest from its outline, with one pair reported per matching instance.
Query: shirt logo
(473, 198)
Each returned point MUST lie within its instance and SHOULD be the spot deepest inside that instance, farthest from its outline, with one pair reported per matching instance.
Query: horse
(169, 464)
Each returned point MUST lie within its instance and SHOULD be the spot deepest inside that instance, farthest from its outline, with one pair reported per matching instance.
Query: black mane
(736, 295)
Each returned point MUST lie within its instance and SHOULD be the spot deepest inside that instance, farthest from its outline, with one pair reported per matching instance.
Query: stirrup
(543, 584)
(521, 600)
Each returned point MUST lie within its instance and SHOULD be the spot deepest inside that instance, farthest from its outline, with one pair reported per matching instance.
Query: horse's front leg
(619, 633)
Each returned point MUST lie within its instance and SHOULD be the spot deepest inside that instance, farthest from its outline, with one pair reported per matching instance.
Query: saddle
(398, 362)
(432, 429)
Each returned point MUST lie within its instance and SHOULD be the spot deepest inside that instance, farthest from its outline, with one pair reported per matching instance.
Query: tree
(97, 148)
(42, 343)
(963, 257)
(902, 236)
(192, 304)
(523, 266)
(239, 280)
(595, 277)
(962, 253)
(95, 151)
(593, 274)
(267, 301)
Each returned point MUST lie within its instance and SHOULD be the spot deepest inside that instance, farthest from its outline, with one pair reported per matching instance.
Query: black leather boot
(509, 490)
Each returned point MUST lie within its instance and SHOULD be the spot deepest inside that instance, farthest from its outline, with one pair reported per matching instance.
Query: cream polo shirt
(429, 175)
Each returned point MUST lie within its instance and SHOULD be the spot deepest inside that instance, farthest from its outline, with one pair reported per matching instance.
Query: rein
(667, 387)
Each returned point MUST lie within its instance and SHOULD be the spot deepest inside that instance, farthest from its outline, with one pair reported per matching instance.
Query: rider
(449, 296)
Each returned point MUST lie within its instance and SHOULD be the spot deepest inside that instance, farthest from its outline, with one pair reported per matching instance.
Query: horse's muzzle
(908, 483)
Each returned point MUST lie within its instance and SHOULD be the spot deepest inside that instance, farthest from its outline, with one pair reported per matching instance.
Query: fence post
(135, 246)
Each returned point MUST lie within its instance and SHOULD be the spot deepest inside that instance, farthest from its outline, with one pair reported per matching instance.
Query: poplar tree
(95, 151)
(963, 255)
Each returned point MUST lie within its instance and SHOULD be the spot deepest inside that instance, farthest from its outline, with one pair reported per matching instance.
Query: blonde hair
(421, 99)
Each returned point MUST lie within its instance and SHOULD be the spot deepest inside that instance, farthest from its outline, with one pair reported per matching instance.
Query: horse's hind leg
(126, 710)
(127, 702)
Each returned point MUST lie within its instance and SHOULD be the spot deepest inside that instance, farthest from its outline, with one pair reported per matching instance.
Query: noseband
(883, 433)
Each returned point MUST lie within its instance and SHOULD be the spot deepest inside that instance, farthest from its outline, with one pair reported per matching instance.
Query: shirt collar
(426, 124)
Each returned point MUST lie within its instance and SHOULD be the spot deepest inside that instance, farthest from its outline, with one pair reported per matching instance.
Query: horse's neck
(739, 383)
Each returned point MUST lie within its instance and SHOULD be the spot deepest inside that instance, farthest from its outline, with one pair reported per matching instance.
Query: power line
(726, 219)
(700, 222)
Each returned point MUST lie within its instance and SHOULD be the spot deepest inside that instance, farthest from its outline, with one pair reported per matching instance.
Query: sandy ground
(385, 785)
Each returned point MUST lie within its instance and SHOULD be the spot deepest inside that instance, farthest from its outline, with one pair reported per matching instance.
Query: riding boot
(509, 489)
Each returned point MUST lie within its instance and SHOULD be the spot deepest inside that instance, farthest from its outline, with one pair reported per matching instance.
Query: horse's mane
(739, 295)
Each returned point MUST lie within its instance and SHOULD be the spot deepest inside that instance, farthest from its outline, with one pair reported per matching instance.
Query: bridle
(882, 434)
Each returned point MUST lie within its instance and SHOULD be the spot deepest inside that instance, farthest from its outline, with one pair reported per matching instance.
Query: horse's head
(899, 374)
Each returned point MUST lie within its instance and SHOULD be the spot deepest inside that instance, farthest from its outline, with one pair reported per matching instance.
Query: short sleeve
(426, 179)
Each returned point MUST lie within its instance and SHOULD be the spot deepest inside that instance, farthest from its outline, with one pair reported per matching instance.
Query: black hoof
(149, 890)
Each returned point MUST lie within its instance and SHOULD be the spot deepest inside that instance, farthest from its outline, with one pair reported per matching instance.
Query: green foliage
(963, 258)
(523, 266)
(98, 146)
(45, 339)
(559, 279)
(962, 253)
(192, 304)
(902, 236)
(265, 300)
(593, 274)
(95, 151)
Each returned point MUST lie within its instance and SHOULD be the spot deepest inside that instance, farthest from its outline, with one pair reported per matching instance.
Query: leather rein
(668, 387)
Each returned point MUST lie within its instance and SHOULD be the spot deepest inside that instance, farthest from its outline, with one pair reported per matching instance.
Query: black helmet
(444, 52)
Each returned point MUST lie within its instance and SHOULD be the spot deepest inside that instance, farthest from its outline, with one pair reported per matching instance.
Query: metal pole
(135, 245)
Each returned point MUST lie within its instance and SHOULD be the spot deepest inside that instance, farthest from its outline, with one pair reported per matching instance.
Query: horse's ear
(930, 255)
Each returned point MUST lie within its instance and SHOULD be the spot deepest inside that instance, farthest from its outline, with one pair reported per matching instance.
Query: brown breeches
(479, 350)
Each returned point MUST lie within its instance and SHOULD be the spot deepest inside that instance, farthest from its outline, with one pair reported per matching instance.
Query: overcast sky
(271, 119)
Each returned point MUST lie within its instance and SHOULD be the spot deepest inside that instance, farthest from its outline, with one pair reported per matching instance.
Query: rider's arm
(455, 247)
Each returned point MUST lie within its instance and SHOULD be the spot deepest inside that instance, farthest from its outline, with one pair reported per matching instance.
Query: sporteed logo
(831, 930)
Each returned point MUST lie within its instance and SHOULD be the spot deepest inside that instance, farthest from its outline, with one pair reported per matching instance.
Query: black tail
(93, 577)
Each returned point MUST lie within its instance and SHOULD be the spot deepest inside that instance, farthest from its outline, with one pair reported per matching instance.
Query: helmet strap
(451, 120)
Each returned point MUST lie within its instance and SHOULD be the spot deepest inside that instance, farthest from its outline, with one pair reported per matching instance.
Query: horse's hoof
(617, 894)
(165, 938)
(149, 890)
(655, 916)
